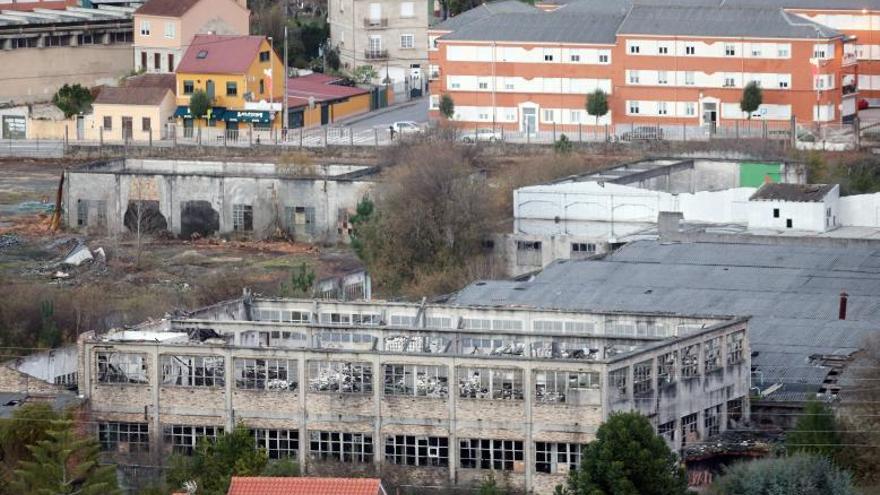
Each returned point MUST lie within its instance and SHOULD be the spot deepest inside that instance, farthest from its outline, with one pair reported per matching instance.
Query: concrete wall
(860, 210)
(48, 365)
(35, 74)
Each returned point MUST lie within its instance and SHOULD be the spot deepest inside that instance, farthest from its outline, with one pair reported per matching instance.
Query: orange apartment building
(509, 65)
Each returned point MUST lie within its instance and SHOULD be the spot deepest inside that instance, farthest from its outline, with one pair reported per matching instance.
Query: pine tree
(64, 464)
(752, 98)
(815, 432)
(597, 104)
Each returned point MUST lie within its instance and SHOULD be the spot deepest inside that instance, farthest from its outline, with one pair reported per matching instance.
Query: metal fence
(32, 148)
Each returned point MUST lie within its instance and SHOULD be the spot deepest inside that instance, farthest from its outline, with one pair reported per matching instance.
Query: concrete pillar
(528, 444)
(452, 404)
(227, 389)
(303, 418)
(378, 439)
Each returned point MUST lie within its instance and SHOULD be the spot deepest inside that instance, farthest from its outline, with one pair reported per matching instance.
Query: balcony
(849, 89)
(375, 54)
(849, 58)
(370, 23)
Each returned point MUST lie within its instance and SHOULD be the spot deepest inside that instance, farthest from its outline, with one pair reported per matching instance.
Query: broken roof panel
(804, 193)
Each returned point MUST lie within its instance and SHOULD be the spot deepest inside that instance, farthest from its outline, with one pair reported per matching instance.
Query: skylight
(202, 54)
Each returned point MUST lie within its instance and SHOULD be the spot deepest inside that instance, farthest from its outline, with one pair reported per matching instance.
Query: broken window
(666, 368)
(120, 367)
(690, 361)
(101, 212)
(297, 316)
(500, 455)
(489, 383)
(344, 447)
(265, 374)
(144, 216)
(492, 346)
(267, 315)
(565, 348)
(735, 343)
(336, 318)
(278, 444)
(734, 413)
(288, 339)
(422, 344)
(124, 438)
(366, 319)
(416, 380)
(581, 250)
(82, 212)
(242, 218)
(556, 457)
(617, 382)
(403, 321)
(689, 431)
(340, 377)
(561, 326)
(712, 355)
(528, 253)
(667, 431)
(409, 450)
(564, 386)
(712, 421)
(193, 371)
(327, 339)
(438, 322)
(642, 380)
(183, 439)
(354, 292)
(301, 219)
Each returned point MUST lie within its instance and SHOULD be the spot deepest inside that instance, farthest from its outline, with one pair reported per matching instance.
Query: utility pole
(284, 122)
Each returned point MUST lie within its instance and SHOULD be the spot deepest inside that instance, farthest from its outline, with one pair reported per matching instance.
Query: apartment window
(634, 49)
(575, 58)
(406, 9)
(183, 439)
(559, 387)
(509, 86)
(242, 218)
(783, 83)
(410, 380)
(157, 61)
(552, 457)
(120, 367)
(756, 51)
(262, 86)
(265, 374)
(689, 430)
(278, 444)
(662, 77)
(712, 355)
(231, 88)
(690, 108)
(170, 29)
(690, 361)
(633, 77)
(603, 58)
(548, 57)
(642, 379)
(819, 53)
(145, 124)
(490, 383)
(729, 50)
(633, 107)
(108, 123)
(690, 50)
(264, 56)
(170, 62)
(411, 450)
(483, 85)
(735, 344)
(406, 41)
(340, 377)
(125, 438)
(574, 116)
(782, 52)
(549, 115)
(666, 368)
(711, 421)
(145, 28)
(193, 371)
(499, 455)
(617, 382)
(662, 108)
(788, 223)
(663, 50)
(689, 78)
(343, 447)
(729, 81)
(188, 87)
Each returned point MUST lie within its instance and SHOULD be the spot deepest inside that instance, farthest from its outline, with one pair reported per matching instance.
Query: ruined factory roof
(137, 166)
(792, 293)
(14, 19)
(803, 193)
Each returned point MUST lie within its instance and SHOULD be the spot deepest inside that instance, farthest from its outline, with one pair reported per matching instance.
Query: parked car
(406, 127)
(643, 133)
(480, 135)
(863, 104)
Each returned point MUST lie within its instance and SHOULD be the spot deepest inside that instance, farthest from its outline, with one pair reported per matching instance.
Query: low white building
(809, 207)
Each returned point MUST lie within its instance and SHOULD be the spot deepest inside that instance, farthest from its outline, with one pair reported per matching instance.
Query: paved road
(416, 111)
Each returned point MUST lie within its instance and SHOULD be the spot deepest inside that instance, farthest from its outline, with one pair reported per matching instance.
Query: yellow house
(242, 77)
(138, 111)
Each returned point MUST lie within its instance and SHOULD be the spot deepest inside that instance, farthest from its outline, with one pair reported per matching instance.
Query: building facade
(421, 394)
(163, 29)
(390, 36)
(531, 71)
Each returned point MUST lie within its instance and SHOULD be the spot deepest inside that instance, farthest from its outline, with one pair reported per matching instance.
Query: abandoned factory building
(432, 394)
(202, 198)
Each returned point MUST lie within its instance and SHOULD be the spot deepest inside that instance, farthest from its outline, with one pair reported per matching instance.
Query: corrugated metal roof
(791, 292)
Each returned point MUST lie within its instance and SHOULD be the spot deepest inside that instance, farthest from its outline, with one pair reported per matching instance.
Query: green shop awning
(252, 116)
(214, 113)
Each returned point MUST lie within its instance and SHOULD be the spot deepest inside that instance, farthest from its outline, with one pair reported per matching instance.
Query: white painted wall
(702, 49)
(553, 85)
(536, 55)
(860, 210)
(767, 80)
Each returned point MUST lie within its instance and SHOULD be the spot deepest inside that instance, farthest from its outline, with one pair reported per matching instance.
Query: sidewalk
(370, 115)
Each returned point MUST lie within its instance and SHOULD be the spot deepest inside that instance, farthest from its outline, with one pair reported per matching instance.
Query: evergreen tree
(72, 99)
(597, 104)
(815, 432)
(627, 458)
(64, 464)
(198, 104)
(796, 475)
(447, 106)
(752, 98)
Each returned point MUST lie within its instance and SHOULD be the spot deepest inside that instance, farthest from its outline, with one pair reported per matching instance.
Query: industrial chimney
(842, 312)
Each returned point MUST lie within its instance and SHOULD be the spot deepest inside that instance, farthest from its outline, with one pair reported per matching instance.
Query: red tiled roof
(222, 54)
(131, 96)
(305, 486)
(151, 81)
(321, 87)
(166, 8)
